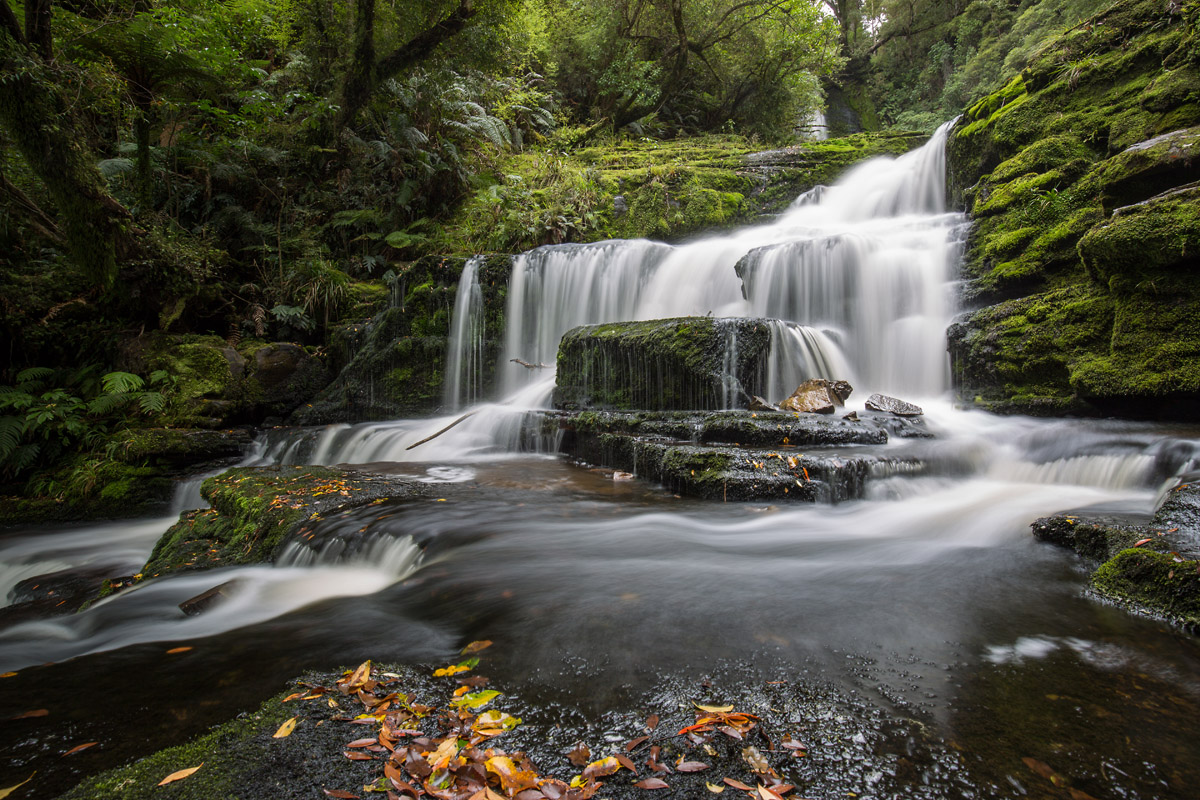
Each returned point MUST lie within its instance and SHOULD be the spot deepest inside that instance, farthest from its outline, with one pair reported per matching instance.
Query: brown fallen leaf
(737, 784)
(580, 755)
(475, 647)
(356, 755)
(180, 775)
(79, 747)
(1139, 543)
(635, 743)
(40, 712)
(341, 795)
(285, 729)
(626, 762)
(1079, 794)
(1040, 768)
(652, 783)
(652, 721)
(691, 766)
(767, 794)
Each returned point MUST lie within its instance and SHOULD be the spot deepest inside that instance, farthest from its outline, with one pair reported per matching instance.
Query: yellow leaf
(6, 792)
(475, 647)
(10, 675)
(714, 788)
(714, 709)
(285, 729)
(180, 775)
(453, 669)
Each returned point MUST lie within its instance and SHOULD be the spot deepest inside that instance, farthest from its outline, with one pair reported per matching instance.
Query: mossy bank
(1079, 175)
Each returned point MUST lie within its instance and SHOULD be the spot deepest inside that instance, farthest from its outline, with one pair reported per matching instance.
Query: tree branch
(10, 22)
(420, 47)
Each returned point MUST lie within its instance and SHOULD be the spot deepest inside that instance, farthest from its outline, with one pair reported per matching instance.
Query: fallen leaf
(475, 699)
(737, 784)
(356, 755)
(691, 766)
(714, 709)
(626, 762)
(41, 712)
(1041, 768)
(12, 675)
(714, 788)
(652, 721)
(580, 755)
(180, 775)
(342, 795)
(1141, 542)
(79, 747)
(362, 743)
(601, 768)
(767, 794)
(285, 729)
(6, 792)
(475, 647)
(175, 650)
(1078, 794)
(635, 743)
(757, 761)
(652, 783)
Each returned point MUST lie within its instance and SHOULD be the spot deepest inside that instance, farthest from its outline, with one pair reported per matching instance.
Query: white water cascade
(865, 265)
(464, 356)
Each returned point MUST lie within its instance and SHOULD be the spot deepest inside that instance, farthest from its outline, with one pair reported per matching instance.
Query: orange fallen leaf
(40, 712)
(285, 729)
(79, 747)
(175, 650)
(342, 795)
(180, 775)
(1141, 542)
(9, 675)
(475, 647)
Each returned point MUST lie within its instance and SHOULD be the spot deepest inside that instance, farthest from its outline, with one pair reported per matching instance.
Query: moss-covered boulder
(1152, 569)
(394, 364)
(255, 510)
(1079, 176)
(687, 363)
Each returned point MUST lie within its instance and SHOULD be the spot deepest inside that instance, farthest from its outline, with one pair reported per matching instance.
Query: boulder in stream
(901, 408)
(817, 396)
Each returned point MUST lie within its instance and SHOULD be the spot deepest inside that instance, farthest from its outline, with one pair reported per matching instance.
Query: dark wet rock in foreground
(1151, 569)
(821, 740)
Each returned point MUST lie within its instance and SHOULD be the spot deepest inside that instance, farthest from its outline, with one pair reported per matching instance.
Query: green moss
(1146, 240)
(1152, 582)
(253, 510)
(657, 364)
(1042, 156)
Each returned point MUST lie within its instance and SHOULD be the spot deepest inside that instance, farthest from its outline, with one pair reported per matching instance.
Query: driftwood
(527, 365)
(443, 430)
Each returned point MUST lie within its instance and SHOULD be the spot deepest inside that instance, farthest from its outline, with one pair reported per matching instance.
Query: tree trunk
(96, 227)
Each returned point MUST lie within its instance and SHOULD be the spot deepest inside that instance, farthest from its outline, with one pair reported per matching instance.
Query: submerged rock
(901, 408)
(688, 363)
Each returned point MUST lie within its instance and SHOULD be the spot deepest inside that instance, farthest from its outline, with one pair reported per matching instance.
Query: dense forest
(174, 175)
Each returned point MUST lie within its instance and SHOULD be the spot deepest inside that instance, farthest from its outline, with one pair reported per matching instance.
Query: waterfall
(464, 352)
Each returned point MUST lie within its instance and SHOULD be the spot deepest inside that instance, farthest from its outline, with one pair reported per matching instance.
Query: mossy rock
(1086, 312)
(393, 365)
(178, 447)
(256, 509)
(686, 363)
(1159, 584)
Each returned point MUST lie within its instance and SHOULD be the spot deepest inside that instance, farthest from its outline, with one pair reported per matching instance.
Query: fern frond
(122, 382)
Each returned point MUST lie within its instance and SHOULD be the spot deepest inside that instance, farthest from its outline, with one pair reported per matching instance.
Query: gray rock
(882, 402)
(620, 206)
(759, 404)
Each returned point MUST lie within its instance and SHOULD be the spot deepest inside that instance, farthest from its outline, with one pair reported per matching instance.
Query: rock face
(882, 402)
(691, 363)
(1080, 176)
(393, 364)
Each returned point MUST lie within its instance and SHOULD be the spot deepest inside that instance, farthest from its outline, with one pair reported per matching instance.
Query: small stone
(620, 206)
(759, 404)
(901, 408)
(852, 416)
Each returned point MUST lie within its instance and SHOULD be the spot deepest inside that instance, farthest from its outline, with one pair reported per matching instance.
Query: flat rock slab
(739, 455)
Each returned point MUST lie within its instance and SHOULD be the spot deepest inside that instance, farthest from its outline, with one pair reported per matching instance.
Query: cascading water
(464, 357)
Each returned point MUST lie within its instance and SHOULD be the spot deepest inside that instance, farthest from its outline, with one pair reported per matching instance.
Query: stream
(928, 599)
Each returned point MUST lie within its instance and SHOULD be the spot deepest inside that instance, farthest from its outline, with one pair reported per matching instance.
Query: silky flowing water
(927, 601)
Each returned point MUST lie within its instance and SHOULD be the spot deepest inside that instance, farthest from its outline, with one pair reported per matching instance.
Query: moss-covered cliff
(1080, 176)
